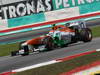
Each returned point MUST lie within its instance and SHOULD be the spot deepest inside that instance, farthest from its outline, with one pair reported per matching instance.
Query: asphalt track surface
(35, 33)
(9, 63)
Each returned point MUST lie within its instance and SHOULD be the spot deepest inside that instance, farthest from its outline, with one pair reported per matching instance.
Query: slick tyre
(86, 35)
(26, 50)
(20, 47)
(14, 53)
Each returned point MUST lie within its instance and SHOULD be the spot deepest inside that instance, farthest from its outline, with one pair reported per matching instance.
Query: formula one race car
(59, 36)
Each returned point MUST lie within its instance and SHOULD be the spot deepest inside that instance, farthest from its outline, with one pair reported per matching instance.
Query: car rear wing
(78, 24)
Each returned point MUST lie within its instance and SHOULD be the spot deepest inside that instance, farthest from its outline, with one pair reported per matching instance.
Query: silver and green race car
(59, 36)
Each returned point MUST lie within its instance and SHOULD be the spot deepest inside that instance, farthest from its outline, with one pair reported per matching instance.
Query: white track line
(35, 66)
(88, 71)
(97, 50)
(39, 65)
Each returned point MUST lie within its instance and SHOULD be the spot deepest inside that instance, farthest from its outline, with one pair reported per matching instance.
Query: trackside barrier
(35, 13)
(49, 26)
(50, 22)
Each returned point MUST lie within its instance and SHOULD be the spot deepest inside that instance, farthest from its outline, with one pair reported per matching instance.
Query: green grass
(96, 31)
(56, 69)
(6, 49)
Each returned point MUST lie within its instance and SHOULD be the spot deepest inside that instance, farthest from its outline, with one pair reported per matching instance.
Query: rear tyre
(86, 35)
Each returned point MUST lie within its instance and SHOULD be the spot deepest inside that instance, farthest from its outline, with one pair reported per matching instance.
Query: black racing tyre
(86, 35)
(74, 39)
(20, 47)
(48, 41)
(26, 50)
(14, 53)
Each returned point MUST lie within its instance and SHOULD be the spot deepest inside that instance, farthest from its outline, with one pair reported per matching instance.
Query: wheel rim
(90, 35)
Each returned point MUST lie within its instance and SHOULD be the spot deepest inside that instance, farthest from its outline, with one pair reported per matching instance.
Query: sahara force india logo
(28, 7)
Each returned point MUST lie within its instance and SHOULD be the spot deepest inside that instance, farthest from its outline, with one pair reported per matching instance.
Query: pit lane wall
(16, 13)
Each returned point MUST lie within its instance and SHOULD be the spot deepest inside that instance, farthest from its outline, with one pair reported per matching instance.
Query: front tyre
(14, 53)
(48, 41)
(26, 50)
